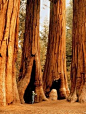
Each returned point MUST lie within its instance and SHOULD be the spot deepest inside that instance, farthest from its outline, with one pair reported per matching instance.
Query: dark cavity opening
(56, 85)
(30, 87)
(0, 55)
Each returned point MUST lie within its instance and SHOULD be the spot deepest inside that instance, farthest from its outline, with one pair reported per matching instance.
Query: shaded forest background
(44, 37)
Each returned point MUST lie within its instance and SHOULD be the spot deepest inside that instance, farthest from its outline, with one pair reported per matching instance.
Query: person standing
(33, 96)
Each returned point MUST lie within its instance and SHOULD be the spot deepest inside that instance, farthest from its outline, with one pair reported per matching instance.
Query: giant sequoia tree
(30, 73)
(9, 12)
(55, 67)
(78, 66)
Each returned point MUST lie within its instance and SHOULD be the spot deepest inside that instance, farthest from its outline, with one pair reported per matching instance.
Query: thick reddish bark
(30, 73)
(9, 11)
(55, 67)
(78, 66)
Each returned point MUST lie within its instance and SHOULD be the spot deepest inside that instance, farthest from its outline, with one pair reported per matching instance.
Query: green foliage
(22, 14)
(43, 42)
(69, 23)
(69, 20)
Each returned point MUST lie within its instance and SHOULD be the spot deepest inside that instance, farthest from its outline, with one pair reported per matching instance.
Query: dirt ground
(46, 107)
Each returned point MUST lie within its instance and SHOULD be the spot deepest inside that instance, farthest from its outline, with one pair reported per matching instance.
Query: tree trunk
(55, 66)
(9, 11)
(30, 78)
(78, 66)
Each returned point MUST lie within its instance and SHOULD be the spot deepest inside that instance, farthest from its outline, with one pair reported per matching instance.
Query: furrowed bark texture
(55, 66)
(78, 66)
(9, 11)
(30, 72)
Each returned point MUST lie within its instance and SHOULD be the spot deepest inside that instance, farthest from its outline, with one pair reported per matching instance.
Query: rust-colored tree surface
(30, 78)
(78, 66)
(55, 67)
(9, 18)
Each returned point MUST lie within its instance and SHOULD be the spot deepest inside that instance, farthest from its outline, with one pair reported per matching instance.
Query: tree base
(40, 95)
(62, 93)
(72, 97)
(82, 97)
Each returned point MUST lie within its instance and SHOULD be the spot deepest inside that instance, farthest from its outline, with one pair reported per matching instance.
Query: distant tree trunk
(55, 67)
(30, 73)
(78, 66)
(9, 17)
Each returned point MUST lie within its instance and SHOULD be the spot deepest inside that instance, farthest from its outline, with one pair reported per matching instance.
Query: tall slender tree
(9, 20)
(30, 78)
(55, 66)
(78, 66)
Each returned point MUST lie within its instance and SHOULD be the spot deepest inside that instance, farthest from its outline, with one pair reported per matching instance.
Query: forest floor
(46, 107)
